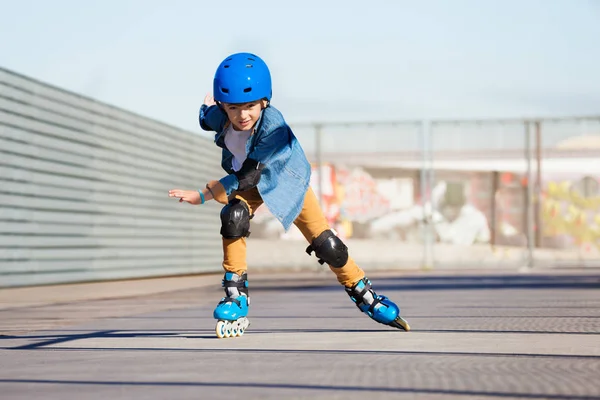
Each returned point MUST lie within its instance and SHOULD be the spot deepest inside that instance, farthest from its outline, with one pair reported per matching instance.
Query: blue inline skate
(232, 310)
(379, 308)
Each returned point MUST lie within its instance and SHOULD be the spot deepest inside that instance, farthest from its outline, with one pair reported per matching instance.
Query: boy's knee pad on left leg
(329, 249)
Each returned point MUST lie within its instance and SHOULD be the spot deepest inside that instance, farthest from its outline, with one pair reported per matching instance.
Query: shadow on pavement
(43, 341)
(346, 388)
(474, 282)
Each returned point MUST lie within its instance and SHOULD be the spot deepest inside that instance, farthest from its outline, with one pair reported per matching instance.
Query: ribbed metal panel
(83, 191)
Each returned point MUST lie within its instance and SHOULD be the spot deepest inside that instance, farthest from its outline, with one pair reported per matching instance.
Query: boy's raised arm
(211, 117)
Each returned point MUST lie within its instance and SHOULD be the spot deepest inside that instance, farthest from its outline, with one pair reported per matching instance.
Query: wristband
(201, 197)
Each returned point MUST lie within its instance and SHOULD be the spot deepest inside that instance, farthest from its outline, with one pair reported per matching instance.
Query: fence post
(538, 185)
(426, 200)
(495, 177)
(528, 199)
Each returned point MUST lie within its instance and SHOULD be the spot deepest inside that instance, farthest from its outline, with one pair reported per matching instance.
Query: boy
(265, 163)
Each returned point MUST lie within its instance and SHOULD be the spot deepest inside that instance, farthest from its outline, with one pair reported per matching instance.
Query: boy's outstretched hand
(191, 196)
(209, 100)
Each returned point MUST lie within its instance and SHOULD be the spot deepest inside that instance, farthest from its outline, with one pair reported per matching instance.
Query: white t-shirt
(236, 144)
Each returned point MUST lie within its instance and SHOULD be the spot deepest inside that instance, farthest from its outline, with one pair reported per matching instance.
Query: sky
(337, 61)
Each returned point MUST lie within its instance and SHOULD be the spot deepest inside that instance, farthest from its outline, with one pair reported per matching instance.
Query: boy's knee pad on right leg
(235, 220)
(329, 249)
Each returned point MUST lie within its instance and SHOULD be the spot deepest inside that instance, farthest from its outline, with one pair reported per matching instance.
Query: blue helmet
(241, 78)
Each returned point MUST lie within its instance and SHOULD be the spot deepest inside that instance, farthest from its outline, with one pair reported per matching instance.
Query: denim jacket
(286, 174)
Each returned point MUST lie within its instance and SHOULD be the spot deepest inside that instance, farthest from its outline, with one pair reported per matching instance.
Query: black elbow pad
(249, 175)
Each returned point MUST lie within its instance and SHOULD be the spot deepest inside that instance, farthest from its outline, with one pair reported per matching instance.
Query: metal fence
(83, 191)
(497, 193)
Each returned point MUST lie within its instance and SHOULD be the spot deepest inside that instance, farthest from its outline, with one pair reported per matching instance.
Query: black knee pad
(235, 220)
(329, 249)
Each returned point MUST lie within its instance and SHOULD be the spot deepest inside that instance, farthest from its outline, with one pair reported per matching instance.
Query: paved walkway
(476, 335)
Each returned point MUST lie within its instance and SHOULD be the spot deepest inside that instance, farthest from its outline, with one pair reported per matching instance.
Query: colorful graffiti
(348, 196)
(568, 212)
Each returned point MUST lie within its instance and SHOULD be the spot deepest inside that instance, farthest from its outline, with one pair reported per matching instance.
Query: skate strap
(310, 249)
(231, 300)
(318, 242)
(238, 284)
(365, 289)
(360, 295)
(373, 304)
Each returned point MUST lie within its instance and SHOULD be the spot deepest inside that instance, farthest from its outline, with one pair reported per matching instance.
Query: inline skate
(231, 312)
(377, 307)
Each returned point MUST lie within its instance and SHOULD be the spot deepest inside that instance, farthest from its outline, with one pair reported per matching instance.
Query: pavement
(477, 334)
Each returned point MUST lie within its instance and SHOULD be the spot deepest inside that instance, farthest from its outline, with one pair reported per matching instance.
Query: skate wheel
(401, 323)
(235, 329)
(220, 329)
(223, 329)
(227, 329)
(244, 323)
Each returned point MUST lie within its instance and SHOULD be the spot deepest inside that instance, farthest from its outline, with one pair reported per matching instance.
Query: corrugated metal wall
(83, 191)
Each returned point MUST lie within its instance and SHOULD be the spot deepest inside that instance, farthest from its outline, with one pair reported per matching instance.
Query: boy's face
(243, 116)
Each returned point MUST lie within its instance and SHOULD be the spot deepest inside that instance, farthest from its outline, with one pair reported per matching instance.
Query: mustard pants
(311, 223)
